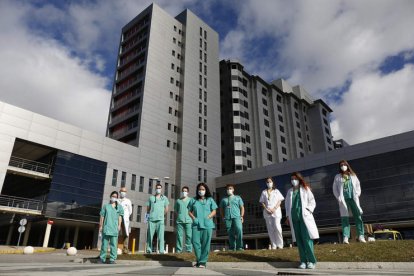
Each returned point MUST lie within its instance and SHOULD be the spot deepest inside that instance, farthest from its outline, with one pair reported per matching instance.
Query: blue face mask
(201, 193)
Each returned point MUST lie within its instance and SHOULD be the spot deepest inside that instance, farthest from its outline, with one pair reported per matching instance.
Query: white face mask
(123, 194)
(114, 199)
(184, 194)
(269, 185)
(294, 182)
(344, 168)
(158, 191)
(230, 192)
(201, 193)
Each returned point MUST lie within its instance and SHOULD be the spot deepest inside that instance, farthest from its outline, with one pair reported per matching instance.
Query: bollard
(173, 251)
(166, 249)
(133, 246)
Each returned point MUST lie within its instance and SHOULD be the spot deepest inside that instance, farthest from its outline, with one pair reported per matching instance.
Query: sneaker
(112, 262)
(302, 266)
(362, 239)
(201, 266)
(195, 265)
(310, 266)
(346, 240)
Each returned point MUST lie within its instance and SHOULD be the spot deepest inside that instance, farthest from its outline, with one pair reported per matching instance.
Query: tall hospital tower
(165, 97)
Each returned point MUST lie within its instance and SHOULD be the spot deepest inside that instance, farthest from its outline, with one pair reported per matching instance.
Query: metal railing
(21, 203)
(30, 165)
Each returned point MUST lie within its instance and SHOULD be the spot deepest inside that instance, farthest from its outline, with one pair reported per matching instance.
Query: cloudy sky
(58, 57)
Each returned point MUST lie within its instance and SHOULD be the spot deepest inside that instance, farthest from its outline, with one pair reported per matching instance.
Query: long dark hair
(302, 181)
(207, 194)
(350, 170)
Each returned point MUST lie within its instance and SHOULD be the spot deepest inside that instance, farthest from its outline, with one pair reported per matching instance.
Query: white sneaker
(310, 266)
(362, 239)
(346, 240)
(302, 266)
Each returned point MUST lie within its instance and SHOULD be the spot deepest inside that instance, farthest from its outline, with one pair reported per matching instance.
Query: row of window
(141, 183)
(200, 155)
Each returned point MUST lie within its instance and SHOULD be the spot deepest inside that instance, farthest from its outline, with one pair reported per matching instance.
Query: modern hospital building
(178, 117)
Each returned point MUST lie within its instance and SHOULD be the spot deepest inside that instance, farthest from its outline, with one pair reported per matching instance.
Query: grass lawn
(380, 251)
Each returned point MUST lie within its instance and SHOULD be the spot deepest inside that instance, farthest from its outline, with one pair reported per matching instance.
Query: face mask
(269, 185)
(123, 194)
(114, 199)
(158, 191)
(184, 194)
(344, 168)
(295, 182)
(230, 192)
(201, 193)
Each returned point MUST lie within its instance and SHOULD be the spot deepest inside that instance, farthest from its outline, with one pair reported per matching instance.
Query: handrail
(21, 203)
(30, 165)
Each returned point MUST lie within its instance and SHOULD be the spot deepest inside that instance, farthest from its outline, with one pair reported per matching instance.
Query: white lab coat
(338, 191)
(127, 205)
(308, 205)
(270, 202)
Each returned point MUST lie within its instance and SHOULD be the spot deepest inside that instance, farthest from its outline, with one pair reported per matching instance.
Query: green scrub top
(201, 209)
(348, 189)
(296, 211)
(111, 216)
(181, 208)
(157, 207)
(231, 206)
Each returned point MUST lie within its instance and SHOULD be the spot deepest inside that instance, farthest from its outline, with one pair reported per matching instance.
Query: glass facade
(77, 186)
(387, 184)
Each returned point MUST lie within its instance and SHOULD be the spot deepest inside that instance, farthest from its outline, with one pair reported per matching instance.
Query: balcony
(124, 116)
(125, 100)
(29, 168)
(21, 205)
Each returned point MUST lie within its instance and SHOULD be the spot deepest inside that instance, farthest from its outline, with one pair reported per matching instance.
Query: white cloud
(376, 106)
(40, 74)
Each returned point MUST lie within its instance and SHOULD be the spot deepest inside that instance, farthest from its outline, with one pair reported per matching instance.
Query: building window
(280, 118)
(268, 145)
(171, 95)
(279, 98)
(114, 177)
(123, 179)
(327, 131)
(150, 186)
(166, 189)
(168, 143)
(282, 129)
(267, 133)
(325, 121)
(324, 112)
(170, 110)
(328, 140)
(205, 96)
(205, 46)
(205, 156)
(200, 153)
(141, 184)
(300, 145)
(172, 66)
(133, 182)
(284, 151)
(205, 110)
(173, 53)
(269, 157)
(200, 108)
(169, 126)
(264, 102)
(309, 148)
(205, 176)
(172, 191)
(201, 33)
(249, 164)
(266, 123)
(247, 138)
(295, 105)
(297, 124)
(264, 91)
(205, 124)
(297, 115)
(248, 151)
(171, 218)
(200, 122)
(175, 28)
(265, 112)
(302, 154)
(200, 138)
(205, 83)
(299, 134)
(199, 174)
(205, 140)
(205, 34)
(139, 211)
(283, 139)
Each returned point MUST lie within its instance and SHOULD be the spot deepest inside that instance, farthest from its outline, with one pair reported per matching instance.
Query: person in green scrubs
(184, 221)
(300, 204)
(232, 212)
(347, 190)
(109, 226)
(202, 209)
(157, 207)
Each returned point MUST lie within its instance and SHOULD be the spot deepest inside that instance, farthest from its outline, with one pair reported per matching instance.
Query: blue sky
(356, 55)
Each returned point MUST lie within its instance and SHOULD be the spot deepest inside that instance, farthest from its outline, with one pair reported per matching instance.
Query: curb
(20, 251)
(270, 265)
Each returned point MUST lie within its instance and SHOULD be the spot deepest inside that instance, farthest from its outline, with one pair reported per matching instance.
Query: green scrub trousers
(346, 229)
(155, 227)
(201, 242)
(234, 229)
(181, 229)
(303, 241)
(113, 241)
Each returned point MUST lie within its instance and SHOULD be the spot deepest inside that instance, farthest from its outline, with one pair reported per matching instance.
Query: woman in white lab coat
(347, 190)
(271, 199)
(300, 204)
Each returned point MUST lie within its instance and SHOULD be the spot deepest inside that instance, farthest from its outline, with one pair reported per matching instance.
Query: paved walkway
(57, 263)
